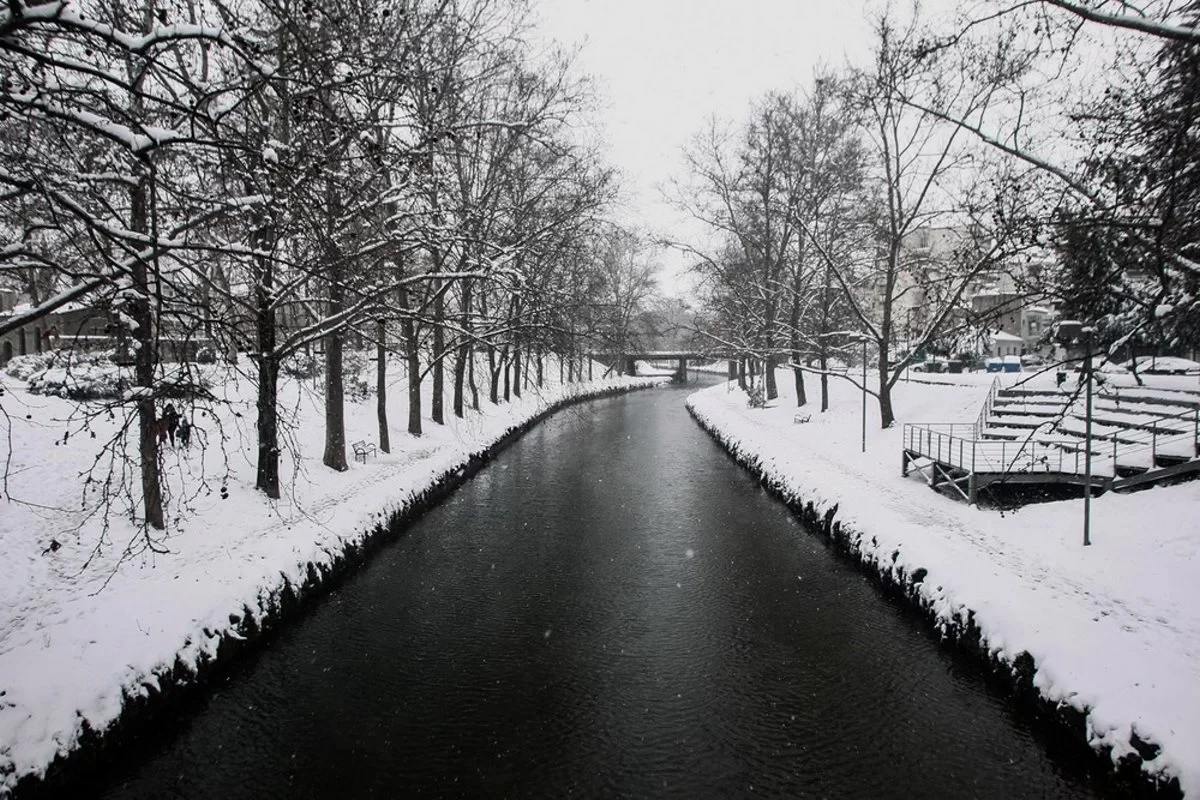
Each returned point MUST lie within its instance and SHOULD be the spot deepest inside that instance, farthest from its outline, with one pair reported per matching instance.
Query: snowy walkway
(1114, 628)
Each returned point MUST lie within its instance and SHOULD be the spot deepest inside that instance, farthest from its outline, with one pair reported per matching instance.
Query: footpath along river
(611, 608)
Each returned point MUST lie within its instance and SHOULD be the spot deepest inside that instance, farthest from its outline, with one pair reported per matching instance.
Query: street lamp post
(908, 341)
(864, 393)
(1087, 459)
(1070, 331)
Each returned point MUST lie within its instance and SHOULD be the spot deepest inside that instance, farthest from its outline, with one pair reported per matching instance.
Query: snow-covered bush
(94, 376)
(83, 381)
(301, 366)
(358, 374)
(22, 367)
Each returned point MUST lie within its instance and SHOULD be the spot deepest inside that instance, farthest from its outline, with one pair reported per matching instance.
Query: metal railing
(981, 421)
(961, 445)
(970, 453)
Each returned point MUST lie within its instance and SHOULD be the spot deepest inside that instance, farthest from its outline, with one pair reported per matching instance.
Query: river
(611, 608)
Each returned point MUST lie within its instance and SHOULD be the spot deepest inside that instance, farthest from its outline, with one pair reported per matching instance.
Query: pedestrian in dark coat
(170, 418)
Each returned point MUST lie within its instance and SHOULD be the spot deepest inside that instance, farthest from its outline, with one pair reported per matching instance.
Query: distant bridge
(626, 363)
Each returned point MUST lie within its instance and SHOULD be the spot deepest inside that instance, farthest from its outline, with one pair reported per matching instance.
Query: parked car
(1163, 365)
(1100, 365)
(1032, 360)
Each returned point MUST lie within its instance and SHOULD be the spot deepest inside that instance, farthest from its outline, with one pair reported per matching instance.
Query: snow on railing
(958, 445)
(1132, 436)
(945, 444)
(981, 422)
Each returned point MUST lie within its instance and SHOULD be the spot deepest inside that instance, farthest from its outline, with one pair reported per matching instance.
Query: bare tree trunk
(144, 361)
(541, 378)
(437, 403)
(385, 444)
(797, 373)
(464, 349)
(412, 353)
(471, 381)
(886, 415)
(335, 402)
(516, 380)
(493, 377)
(267, 477)
(824, 364)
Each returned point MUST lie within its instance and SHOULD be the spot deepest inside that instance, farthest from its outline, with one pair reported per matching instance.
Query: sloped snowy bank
(93, 643)
(1108, 637)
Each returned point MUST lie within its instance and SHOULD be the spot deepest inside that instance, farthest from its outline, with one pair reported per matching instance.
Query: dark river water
(610, 609)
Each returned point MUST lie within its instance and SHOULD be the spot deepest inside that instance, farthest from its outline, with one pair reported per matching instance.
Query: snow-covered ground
(86, 623)
(1114, 628)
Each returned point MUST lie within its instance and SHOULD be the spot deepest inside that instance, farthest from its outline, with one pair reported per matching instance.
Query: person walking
(170, 418)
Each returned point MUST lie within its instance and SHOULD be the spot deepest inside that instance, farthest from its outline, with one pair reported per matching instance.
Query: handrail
(1037, 452)
(988, 404)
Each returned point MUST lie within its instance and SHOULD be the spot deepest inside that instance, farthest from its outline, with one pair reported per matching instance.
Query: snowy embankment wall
(1105, 639)
(95, 644)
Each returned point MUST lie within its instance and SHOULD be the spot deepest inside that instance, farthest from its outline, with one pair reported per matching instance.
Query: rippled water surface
(611, 608)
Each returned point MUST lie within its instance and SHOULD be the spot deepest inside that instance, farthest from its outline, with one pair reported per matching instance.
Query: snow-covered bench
(361, 449)
(800, 418)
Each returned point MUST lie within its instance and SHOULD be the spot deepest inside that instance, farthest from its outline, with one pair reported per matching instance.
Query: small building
(75, 325)
(1004, 344)
(1035, 322)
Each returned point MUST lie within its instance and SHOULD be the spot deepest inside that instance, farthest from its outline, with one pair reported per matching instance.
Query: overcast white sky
(664, 66)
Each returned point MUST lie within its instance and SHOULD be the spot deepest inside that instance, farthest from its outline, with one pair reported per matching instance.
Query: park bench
(800, 418)
(361, 449)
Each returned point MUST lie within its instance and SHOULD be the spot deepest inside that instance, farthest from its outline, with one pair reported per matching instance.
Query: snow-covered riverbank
(1113, 629)
(85, 627)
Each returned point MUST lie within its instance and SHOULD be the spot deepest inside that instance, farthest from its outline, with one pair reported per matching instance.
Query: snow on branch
(1139, 23)
(62, 14)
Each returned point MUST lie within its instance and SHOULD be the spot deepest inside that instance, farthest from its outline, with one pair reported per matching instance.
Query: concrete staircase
(1139, 435)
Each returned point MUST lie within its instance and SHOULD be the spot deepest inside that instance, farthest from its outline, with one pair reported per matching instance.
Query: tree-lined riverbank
(86, 626)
